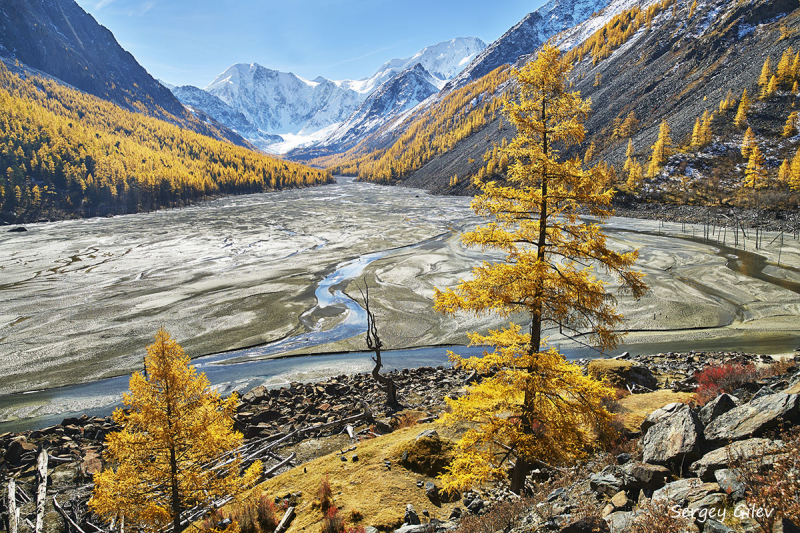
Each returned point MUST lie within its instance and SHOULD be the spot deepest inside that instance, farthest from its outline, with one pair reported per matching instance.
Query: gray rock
(648, 476)
(428, 434)
(763, 391)
(456, 513)
(624, 458)
(716, 501)
(712, 461)
(370, 529)
(621, 521)
(716, 407)
(476, 506)
(674, 439)
(712, 526)
(411, 518)
(431, 491)
(413, 528)
(729, 483)
(677, 491)
(659, 414)
(555, 494)
(610, 480)
(754, 418)
(591, 524)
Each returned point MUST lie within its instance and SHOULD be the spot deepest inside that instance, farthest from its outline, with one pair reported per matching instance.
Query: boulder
(763, 391)
(590, 524)
(659, 414)
(716, 407)
(675, 439)
(411, 518)
(256, 395)
(621, 521)
(648, 476)
(621, 502)
(610, 481)
(728, 481)
(677, 491)
(705, 467)
(754, 418)
(619, 373)
(17, 448)
(712, 526)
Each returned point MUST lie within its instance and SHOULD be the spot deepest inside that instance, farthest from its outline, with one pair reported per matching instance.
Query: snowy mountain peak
(528, 35)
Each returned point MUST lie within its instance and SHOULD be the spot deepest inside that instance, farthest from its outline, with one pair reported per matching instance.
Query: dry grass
(633, 409)
(366, 488)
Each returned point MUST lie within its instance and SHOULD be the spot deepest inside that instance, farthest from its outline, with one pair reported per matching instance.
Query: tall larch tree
(536, 406)
(661, 149)
(741, 113)
(755, 175)
(748, 142)
(766, 73)
(790, 128)
(173, 425)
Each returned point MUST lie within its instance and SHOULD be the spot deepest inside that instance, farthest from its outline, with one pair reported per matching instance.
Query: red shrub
(333, 521)
(717, 379)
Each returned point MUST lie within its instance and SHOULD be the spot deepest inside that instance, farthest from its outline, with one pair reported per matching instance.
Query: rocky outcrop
(675, 439)
(754, 418)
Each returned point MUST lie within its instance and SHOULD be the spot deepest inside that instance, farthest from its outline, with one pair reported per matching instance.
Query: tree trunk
(518, 475)
(176, 497)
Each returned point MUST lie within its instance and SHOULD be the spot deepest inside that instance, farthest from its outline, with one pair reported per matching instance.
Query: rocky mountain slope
(59, 39)
(388, 103)
(673, 68)
(202, 104)
(528, 35)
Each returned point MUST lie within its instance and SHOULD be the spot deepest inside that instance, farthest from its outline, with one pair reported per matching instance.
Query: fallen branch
(285, 521)
(69, 520)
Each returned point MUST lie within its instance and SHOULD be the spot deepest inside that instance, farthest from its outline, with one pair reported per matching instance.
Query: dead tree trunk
(374, 343)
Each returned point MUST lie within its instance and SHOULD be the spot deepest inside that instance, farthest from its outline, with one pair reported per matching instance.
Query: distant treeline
(64, 153)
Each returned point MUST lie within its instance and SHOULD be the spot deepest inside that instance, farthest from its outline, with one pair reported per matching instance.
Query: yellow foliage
(662, 149)
(741, 112)
(755, 175)
(537, 406)
(790, 128)
(92, 153)
(173, 425)
(748, 142)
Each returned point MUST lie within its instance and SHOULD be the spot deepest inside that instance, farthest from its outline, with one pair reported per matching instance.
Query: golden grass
(367, 487)
(634, 409)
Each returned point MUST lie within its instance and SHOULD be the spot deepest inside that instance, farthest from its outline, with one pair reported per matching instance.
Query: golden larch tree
(748, 142)
(661, 149)
(741, 113)
(536, 405)
(785, 172)
(755, 175)
(172, 426)
(790, 128)
(766, 73)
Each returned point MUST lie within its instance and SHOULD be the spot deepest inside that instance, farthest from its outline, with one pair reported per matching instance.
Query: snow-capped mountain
(528, 35)
(401, 93)
(281, 102)
(442, 61)
(201, 102)
(307, 111)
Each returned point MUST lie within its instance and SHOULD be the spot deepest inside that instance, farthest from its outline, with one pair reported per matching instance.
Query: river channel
(241, 281)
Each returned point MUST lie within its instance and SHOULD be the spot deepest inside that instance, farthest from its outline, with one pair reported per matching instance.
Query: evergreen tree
(536, 405)
(790, 128)
(755, 175)
(662, 149)
(741, 112)
(748, 142)
(172, 425)
(766, 73)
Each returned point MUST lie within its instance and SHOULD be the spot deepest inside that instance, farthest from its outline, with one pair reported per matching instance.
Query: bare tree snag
(41, 494)
(374, 343)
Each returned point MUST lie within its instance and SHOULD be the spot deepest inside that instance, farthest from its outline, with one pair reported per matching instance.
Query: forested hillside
(64, 153)
(675, 67)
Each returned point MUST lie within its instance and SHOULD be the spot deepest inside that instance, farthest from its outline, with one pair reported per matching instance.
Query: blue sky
(191, 41)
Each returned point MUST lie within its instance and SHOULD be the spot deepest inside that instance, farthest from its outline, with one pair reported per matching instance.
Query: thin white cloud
(102, 3)
(139, 10)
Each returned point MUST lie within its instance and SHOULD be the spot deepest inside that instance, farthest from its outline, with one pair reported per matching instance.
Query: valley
(247, 278)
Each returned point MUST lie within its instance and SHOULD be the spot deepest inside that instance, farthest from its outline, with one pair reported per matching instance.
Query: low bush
(333, 522)
(717, 379)
(772, 481)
